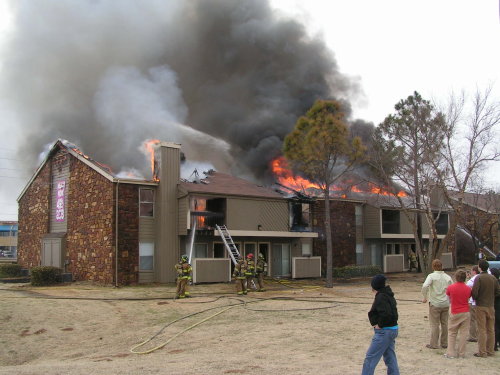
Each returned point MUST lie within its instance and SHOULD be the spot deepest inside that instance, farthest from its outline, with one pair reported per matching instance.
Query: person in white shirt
(434, 292)
(472, 306)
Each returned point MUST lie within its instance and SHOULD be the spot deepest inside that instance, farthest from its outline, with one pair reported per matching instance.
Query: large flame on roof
(286, 177)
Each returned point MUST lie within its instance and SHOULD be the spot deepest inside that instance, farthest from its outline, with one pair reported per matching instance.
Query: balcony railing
(207, 219)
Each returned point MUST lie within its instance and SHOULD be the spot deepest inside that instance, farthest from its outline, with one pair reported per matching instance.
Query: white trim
(170, 144)
(260, 233)
(409, 235)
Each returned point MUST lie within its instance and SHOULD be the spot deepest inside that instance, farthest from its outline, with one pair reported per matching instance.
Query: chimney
(166, 211)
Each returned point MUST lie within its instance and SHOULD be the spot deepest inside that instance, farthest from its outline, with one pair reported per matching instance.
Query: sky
(388, 49)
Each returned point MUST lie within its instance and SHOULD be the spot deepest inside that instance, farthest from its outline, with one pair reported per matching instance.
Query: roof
(100, 168)
(225, 184)
(489, 202)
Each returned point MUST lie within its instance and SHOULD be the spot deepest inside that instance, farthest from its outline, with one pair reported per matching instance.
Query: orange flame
(149, 145)
(102, 165)
(286, 177)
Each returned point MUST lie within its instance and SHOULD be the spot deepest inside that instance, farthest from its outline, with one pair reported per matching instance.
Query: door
(281, 265)
(264, 250)
(51, 253)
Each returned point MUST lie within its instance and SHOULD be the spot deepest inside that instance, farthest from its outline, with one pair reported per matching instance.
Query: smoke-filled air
(226, 79)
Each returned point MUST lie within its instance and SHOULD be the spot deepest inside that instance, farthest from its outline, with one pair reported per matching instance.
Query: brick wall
(128, 236)
(34, 209)
(343, 227)
(90, 236)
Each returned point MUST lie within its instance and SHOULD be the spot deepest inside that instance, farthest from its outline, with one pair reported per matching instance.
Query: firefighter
(413, 261)
(239, 275)
(184, 276)
(261, 269)
(250, 272)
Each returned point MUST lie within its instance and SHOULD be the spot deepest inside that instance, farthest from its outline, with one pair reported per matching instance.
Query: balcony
(207, 220)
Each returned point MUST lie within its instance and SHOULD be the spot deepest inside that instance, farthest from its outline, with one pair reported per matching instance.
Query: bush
(45, 275)
(10, 270)
(356, 271)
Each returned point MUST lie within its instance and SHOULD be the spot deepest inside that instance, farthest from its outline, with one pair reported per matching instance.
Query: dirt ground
(295, 327)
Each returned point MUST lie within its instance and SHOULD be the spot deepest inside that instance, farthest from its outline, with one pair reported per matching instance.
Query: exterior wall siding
(60, 173)
(372, 222)
(166, 215)
(248, 214)
(183, 215)
(343, 227)
(34, 206)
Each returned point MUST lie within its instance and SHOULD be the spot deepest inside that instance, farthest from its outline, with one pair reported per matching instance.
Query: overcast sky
(391, 48)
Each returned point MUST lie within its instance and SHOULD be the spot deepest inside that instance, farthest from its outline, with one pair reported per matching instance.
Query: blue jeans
(383, 343)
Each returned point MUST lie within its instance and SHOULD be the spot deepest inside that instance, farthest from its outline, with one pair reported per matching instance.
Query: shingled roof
(225, 184)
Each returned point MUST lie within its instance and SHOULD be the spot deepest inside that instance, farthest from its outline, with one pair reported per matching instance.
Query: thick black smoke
(225, 78)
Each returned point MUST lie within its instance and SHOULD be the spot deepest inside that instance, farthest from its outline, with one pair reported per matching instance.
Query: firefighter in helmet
(260, 269)
(184, 276)
(240, 269)
(250, 273)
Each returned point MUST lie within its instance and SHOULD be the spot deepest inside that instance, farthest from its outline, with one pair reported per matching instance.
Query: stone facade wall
(90, 236)
(343, 227)
(34, 211)
(128, 234)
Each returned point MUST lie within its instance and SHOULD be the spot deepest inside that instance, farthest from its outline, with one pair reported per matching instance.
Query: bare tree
(471, 142)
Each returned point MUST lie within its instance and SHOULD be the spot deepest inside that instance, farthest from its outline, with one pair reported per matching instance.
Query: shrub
(10, 270)
(44, 275)
(356, 271)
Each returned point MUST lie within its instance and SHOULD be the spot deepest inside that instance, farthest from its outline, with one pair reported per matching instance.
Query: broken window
(300, 216)
(441, 223)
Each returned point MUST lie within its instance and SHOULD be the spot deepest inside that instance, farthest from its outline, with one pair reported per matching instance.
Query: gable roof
(100, 168)
(489, 202)
(225, 184)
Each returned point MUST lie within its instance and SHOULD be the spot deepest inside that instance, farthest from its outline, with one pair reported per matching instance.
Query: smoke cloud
(226, 79)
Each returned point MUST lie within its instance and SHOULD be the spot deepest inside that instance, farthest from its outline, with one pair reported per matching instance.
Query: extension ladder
(231, 247)
(228, 242)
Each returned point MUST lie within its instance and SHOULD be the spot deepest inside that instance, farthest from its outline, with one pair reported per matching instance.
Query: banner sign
(61, 189)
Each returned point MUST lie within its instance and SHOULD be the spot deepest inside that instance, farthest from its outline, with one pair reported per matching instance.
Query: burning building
(77, 215)
(368, 225)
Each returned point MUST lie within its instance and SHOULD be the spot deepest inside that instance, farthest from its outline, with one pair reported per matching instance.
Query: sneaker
(428, 346)
(448, 356)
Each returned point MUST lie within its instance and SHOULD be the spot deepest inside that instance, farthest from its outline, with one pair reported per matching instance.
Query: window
(441, 223)
(300, 216)
(219, 250)
(306, 250)
(359, 215)
(146, 202)
(200, 250)
(250, 248)
(359, 254)
(146, 254)
(390, 221)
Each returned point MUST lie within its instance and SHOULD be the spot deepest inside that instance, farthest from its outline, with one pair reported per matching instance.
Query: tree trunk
(329, 247)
